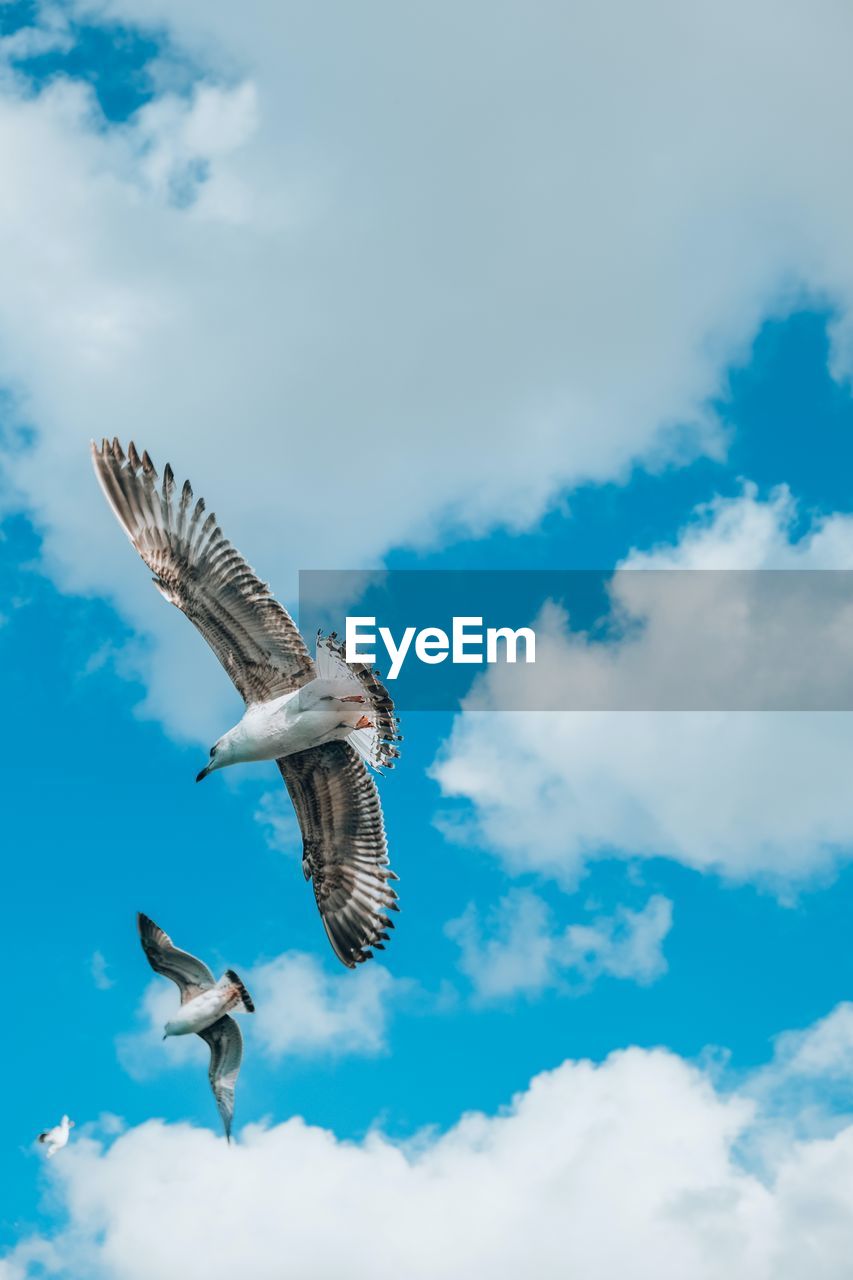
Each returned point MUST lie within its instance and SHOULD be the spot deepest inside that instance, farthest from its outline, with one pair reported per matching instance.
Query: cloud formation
(746, 794)
(100, 971)
(297, 271)
(302, 1010)
(630, 1167)
(522, 953)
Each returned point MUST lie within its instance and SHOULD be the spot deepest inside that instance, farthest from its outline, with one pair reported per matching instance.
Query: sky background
(435, 288)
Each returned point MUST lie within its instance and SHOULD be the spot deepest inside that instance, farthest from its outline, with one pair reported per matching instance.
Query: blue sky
(110, 699)
(108, 821)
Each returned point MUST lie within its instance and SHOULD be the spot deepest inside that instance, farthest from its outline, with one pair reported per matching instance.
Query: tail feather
(245, 999)
(377, 745)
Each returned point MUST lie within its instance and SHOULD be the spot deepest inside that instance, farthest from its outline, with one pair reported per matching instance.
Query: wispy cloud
(521, 952)
(99, 970)
(302, 1010)
(143, 1052)
(305, 1009)
(808, 1082)
(276, 815)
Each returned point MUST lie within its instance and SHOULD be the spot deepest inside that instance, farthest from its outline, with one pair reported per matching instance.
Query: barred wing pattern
(344, 852)
(378, 744)
(196, 569)
(226, 1054)
(189, 974)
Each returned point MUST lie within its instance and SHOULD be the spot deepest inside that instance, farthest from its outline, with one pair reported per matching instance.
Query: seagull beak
(205, 771)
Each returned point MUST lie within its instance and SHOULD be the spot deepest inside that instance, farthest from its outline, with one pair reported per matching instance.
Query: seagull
(205, 1005)
(57, 1137)
(324, 722)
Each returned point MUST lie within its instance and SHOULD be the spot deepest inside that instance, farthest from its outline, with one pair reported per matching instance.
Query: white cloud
(630, 1167)
(366, 262)
(823, 1050)
(301, 1010)
(144, 1052)
(39, 1253)
(49, 34)
(523, 953)
(624, 945)
(100, 971)
(277, 817)
(746, 794)
(807, 1087)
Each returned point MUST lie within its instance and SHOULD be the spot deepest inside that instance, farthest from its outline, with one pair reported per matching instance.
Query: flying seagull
(322, 722)
(205, 1005)
(56, 1138)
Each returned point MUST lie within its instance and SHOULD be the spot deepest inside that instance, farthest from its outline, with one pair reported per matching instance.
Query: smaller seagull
(57, 1137)
(205, 1004)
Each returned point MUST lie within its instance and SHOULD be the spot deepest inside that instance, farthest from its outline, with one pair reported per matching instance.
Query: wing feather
(376, 745)
(189, 974)
(199, 571)
(345, 852)
(226, 1054)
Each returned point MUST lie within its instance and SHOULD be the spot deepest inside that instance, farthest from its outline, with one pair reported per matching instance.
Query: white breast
(201, 1011)
(290, 724)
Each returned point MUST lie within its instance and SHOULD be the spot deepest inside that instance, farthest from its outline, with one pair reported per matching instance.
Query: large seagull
(322, 722)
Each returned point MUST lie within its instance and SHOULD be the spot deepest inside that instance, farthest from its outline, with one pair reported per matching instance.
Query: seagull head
(219, 756)
(66, 1123)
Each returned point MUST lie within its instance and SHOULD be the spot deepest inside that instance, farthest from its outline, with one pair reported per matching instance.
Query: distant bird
(320, 723)
(205, 1005)
(56, 1138)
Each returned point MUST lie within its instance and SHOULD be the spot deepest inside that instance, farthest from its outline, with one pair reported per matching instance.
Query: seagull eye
(212, 752)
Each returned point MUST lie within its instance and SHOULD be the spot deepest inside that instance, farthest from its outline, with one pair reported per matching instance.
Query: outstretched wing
(226, 1054)
(344, 850)
(190, 974)
(198, 570)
